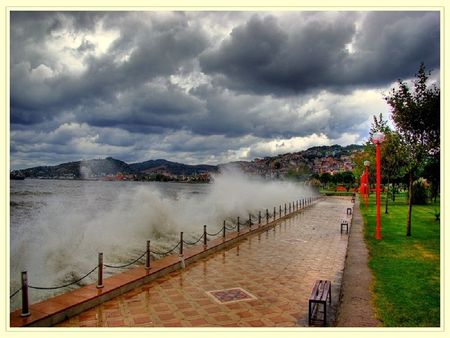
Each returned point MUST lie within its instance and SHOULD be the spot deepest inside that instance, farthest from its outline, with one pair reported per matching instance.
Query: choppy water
(58, 227)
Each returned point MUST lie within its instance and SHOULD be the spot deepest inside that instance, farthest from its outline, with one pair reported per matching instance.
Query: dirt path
(356, 308)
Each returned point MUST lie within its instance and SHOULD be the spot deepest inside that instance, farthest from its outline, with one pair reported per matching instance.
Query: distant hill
(77, 170)
(97, 168)
(302, 163)
(174, 168)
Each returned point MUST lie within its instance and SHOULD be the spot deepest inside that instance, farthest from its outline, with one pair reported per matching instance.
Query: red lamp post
(377, 138)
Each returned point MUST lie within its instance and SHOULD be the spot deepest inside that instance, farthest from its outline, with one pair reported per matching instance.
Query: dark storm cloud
(261, 57)
(202, 84)
(150, 107)
(152, 53)
(391, 45)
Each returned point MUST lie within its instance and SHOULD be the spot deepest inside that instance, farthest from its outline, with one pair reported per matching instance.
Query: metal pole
(25, 309)
(284, 209)
(279, 212)
(181, 243)
(274, 212)
(100, 271)
(224, 229)
(259, 217)
(250, 221)
(267, 216)
(147, 261)
(238, 225)
(205, 239)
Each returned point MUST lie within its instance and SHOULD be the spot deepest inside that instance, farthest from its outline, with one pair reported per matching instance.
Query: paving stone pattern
(277, 268)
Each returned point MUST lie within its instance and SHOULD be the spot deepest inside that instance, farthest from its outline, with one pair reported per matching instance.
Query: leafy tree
(431, 172)
(392, 161)
(415, 113)
(326, 179)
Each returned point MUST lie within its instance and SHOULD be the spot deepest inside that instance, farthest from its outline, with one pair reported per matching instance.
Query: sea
(58, 227)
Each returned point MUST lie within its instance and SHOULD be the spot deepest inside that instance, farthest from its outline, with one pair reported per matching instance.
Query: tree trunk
(393, 192)
(408, 224)
(387, 197)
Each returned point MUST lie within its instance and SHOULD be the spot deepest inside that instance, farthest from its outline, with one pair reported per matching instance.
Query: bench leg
(309, 313)
(325, 313)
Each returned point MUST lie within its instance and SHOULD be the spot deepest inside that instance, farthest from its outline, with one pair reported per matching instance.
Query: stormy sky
(204, 87)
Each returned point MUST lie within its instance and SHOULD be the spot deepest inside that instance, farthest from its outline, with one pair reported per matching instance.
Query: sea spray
(61, 241)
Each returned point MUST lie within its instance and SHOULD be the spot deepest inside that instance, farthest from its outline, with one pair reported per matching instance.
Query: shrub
(420, 191)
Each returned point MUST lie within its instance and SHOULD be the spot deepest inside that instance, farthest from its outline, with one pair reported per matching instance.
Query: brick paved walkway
(270, 276)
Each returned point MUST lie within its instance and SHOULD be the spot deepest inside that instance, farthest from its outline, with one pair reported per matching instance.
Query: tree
(392, 161)
(392, 154)
(416, 115)
(326, 179)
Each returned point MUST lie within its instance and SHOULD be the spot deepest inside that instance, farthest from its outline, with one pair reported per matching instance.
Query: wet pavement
(263, 281)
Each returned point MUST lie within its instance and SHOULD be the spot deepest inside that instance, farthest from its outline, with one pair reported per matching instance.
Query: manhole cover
(233, 295)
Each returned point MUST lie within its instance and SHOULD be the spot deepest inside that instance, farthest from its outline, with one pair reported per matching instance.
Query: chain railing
(253, 219)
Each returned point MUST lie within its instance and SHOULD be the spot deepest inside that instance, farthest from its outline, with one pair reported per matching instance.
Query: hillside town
(300, 165)
(317, 160)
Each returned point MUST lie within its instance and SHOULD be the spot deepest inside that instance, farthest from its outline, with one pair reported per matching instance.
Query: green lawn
(406, 269)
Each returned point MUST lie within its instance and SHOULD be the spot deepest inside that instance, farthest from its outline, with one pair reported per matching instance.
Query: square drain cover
(233, 295)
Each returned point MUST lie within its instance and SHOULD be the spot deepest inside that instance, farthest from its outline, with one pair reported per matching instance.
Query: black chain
(125, 265)
(167, 252)
(218, 232)
(63, 286)
(193, 243)
(14, 293)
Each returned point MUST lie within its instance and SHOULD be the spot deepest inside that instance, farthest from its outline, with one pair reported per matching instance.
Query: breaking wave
(63, 239)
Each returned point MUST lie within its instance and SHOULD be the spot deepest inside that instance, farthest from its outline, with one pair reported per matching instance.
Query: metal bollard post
(100, 271)
(224, 229)
(181, 243)
(25, 309)
(238, 225)
(284, 209)
(274, 212)
(296, 204)
(205, 239)
(279, 212)
(259, 217)
(289, 207)
(267, 216)
(250, 221)
(147, 261)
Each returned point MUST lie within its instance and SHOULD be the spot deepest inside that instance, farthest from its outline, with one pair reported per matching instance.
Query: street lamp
(377, 138)
(366, 188)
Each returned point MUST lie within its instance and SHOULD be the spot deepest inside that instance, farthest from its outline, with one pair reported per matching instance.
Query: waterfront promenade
(264, 280)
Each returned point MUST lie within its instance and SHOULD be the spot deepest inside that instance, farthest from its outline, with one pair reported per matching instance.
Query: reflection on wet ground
(264, 281)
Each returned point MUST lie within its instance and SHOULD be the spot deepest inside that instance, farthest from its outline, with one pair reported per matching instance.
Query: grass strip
(406, 269)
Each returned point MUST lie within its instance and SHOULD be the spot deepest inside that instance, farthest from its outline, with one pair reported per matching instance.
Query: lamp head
(378, 137)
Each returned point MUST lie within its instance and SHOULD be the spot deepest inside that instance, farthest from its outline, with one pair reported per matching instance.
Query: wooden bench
(344, 223)
(321, 293)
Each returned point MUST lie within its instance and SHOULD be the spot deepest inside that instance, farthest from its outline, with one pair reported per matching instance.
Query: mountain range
(100, 168)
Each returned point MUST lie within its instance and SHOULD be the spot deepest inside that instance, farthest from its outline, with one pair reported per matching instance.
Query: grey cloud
(391, 45)
(155, 53)
(314, 53)
(261, 57)
(270, 78)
